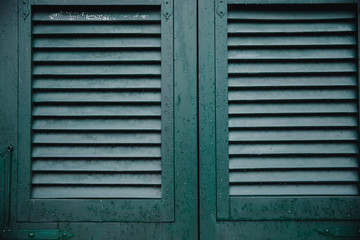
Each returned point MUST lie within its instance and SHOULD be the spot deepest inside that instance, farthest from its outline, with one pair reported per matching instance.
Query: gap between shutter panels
(96, 102)
(292, 92)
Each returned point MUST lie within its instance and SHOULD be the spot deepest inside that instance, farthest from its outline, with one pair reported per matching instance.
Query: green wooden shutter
(287, 112)
(100, 123)
(127, 91)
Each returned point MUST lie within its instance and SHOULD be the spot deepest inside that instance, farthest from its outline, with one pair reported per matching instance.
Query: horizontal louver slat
(292, 108)
(79, 178)
(269, 94)
(113, 97)
(97, 69)
(105, 42)
(291, 68)
(292, 135)
(96, 102)
(97, 165)
(96, 138)
(95, 28)
(96, 192)
(255, 163)
(293, 122)
(292, 81)
(293, 189)
(94, 110)
(263, 28)
(253, 13)
(94, 82)
(290, 54)
(99, 15)
(291, 41)
(93, 124)
(292, 94)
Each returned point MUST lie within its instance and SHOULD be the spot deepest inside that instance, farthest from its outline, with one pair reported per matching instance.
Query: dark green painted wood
(222, 130)
(100, 15)
(96, 2)
(290, 208)
(184, 224)
(284, 141)
(3, 194)
(86, 144)
(358, 79)
(24, 115)
(327, 2)
(37, 234)
(8, 109)
(259, 215)
(207, 127)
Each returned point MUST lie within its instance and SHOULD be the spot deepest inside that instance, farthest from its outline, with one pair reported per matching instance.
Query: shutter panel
(96, 103)
(97, 132)
(289, 133)
(292, 105)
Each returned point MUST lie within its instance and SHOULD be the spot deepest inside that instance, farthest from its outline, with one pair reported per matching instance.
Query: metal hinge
(35, 235)
(167, 8)
(349, 232)
(221, 8)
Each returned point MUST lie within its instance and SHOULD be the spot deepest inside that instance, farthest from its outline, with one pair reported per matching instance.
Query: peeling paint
(80, 16)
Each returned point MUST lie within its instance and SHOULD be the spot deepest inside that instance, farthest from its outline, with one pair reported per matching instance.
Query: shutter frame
(126, 210)
(271, 207)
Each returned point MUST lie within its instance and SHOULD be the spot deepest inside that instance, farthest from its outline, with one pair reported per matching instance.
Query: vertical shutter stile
(96, 96)
(292, 82)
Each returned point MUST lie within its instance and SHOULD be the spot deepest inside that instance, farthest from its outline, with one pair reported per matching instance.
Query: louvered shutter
(101, 113)
(286, 111)
(96, 104)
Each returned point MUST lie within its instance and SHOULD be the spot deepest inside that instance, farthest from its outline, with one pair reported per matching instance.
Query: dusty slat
(292, 135)
(96, 16)
(96, 151)
(95, 192)
(293, 148)
(96, 138)
(254, 162)
(95, 28)
(97, 42)
(294, 189)
(293, 121)
(291, 54)
(272, 14)
(112, 96)
(98, 165)
(96, 178)
(291, 67)
(288, 27)
(95, 82)
(294, 176)
(96, 124)
(293, 81)
(95, 110)
(290, 108)
(293, 41)
(98, 69)
(96, 56)
(239, 95)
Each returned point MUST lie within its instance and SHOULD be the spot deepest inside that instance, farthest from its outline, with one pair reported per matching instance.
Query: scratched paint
(79, 16)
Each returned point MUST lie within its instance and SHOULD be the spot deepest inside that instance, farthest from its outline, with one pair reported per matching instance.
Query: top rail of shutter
(95, 2)
(291, 1)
